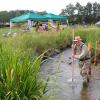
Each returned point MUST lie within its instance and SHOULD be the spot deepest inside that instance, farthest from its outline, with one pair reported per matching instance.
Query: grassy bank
(19, 67)
(19, 75)
(39, 42)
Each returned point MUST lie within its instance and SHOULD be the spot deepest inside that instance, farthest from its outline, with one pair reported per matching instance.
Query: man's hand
(75, 56)
(73, 46)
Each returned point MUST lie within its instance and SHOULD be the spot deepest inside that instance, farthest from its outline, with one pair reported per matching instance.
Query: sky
(51, 6)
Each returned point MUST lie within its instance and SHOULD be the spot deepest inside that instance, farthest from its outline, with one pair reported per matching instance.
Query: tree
(95, 9)
(80, 12)
(90, 13)
(63, 12)
(42, 13)
(79, 8)
(70, 10)
(88, 9)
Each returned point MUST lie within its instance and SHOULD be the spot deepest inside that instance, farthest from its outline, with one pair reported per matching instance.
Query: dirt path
(59, 71)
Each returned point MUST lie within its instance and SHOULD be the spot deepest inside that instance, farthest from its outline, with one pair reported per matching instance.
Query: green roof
(51, 16)
(29, 16)
(37, 17)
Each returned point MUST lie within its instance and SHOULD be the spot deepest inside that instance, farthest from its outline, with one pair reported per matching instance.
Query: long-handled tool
(73, 58)
(72, 79)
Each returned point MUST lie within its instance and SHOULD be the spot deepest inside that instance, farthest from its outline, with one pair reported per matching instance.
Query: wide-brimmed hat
(77, 38)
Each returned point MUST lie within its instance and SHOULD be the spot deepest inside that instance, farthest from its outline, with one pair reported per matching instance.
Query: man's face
(77, 43)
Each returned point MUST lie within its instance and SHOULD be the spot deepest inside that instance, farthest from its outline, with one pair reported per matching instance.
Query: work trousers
(85, 69)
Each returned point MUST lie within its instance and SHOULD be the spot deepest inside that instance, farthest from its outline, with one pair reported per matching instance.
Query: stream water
(59, 71)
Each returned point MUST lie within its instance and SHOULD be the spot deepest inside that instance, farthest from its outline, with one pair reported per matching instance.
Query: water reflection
(84, 94)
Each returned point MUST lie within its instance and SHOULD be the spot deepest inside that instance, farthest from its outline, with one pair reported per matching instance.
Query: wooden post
(96, 53)
(90, 54)
(73, 58)
(90, 49)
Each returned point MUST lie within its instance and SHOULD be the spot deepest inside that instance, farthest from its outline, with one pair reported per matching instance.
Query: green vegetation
(38, 42)
(7, 15)
(82, 14)
(19, 75)
(89, 35)
(19, 68)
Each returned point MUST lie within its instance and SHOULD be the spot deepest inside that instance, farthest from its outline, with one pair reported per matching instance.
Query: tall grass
(33, 42)
(39, 42)
(19, 77)
(19, 67)
(89, 35)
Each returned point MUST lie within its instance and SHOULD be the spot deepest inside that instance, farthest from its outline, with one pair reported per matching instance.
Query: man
(82, 54)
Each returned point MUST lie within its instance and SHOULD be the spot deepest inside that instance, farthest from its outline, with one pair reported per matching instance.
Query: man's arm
(83, 53)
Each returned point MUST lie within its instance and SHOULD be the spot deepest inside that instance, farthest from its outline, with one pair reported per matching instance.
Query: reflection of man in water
(84, 94)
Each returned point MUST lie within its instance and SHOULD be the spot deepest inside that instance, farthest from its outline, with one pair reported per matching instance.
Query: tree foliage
(5, 16)
(77, 14)
(90, 13)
